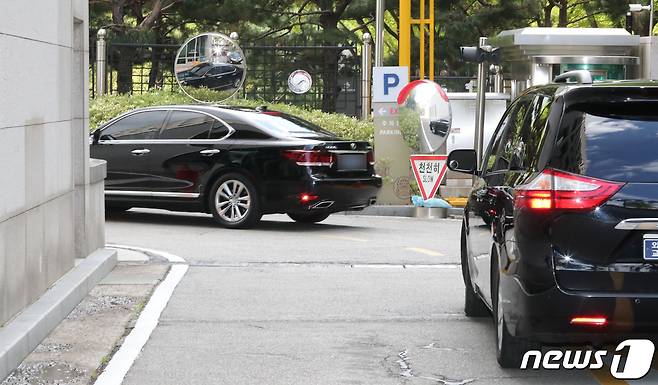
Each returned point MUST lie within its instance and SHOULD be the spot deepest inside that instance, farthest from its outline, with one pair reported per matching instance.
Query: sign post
(429, 171)
(391, 151)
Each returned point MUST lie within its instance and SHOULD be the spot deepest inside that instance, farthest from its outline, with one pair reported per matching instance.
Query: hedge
(104, 108)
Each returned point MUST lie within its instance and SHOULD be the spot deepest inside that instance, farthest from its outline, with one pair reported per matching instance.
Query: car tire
(473, 304)
(509, 349)
(234, 202)
(308, 217)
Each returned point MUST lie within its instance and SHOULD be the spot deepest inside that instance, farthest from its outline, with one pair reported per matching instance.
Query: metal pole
(366, 75)
(479, 107)
(650, 17)
(379, 31)
(101, 61)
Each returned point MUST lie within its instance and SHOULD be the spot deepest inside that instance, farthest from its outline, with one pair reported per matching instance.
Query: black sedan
(212, 76)
(236, 163)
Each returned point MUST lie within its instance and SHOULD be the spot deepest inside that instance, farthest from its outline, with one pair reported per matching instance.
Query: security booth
(534, 56)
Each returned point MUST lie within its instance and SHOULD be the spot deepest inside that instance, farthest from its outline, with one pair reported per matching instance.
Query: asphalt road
(354, 300)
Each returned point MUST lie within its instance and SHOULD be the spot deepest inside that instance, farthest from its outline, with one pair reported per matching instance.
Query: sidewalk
(77, 350)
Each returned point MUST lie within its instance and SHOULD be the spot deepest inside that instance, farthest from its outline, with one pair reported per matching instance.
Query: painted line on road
(125, 357)
(344, 238)
(169, 257)
(334, 264)
(426, 251)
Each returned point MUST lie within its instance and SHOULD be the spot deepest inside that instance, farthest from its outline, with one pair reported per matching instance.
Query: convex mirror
(425, 116)
(210, 67)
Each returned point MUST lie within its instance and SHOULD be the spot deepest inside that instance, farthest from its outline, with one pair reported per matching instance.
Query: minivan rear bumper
(546, 317)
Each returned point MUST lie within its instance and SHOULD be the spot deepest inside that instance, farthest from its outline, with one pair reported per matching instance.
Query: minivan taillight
(310, 157)
(560, 190)
(371, 158)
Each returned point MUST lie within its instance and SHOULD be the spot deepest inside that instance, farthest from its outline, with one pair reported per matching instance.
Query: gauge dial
(300, 82)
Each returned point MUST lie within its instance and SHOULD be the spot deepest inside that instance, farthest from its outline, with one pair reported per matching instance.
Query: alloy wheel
(232, 201)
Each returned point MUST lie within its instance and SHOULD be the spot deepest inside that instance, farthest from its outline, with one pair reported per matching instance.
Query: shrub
(104, 108)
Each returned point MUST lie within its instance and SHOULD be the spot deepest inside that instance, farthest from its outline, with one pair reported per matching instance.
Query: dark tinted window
(220, 70)
(187, 125)
(245, 131)
(218, 131)
(615, 142)
(142, 125)
(288, 125)
(200, 69)
(523, 146)
(508, 133)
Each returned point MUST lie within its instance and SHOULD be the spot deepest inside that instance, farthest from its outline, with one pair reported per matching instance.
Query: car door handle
(209, 152)
(140, 152)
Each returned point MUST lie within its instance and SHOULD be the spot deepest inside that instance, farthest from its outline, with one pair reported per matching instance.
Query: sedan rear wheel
(308, 217)
(234, 202)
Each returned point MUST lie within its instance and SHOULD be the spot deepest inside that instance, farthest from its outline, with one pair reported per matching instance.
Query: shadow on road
(206, 220)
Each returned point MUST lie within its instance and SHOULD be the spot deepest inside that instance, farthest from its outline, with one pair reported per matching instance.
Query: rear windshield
(613, 142)
(284, 125)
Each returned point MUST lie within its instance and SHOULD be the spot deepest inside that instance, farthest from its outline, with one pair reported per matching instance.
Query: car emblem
(353, 146)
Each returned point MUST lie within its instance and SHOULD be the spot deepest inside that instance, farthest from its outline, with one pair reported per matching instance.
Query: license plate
(351, 162)
(651, 247)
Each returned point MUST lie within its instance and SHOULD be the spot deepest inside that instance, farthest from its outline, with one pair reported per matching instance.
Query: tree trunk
(563, 20)
(124, 69)
(548, 10)
(330, 63)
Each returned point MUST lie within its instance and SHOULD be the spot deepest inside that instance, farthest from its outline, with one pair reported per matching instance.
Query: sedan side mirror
(96, 136)
(463, 161)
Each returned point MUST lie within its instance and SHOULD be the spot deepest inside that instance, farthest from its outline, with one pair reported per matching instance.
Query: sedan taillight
(371, 158)
(310, 158)
(560, 190)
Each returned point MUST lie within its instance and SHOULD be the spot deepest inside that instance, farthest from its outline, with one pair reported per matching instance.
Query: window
(502, 143)
(139, 126)
(288, 125)
(245, 131)
(218, 130)
(187, 125)
(614, 141)
(515, 142)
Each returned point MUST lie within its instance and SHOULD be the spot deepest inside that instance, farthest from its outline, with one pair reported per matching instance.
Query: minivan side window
(139, 126)
(187, 125)
(514, 147)
(497, 159)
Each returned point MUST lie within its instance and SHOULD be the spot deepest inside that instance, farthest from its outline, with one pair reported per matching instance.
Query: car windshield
(289, 126)
(616, 143)
(200, 69)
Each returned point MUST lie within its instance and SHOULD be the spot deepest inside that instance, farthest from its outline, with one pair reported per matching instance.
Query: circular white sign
(210, 67)
(300, 82)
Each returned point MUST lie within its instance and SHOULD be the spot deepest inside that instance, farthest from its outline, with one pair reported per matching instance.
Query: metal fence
(136, 68)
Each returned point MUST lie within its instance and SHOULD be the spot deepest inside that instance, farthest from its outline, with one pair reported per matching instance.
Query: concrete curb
(398, 211)
(24, 333)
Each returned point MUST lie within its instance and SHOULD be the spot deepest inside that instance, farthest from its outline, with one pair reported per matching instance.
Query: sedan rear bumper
(327, 195)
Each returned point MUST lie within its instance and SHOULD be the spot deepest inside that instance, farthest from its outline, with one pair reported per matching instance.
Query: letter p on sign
(387, 83)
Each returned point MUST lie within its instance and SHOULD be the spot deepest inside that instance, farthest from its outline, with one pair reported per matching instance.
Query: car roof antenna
(261, 108)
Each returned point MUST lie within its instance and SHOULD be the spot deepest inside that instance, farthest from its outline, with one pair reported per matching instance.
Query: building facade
(51, 194)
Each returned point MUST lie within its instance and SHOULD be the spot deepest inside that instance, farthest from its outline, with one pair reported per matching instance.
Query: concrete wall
(50, 201)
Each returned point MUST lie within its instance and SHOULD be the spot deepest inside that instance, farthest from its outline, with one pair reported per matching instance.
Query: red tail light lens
(371, 158)
(560, 190)
(589, 321)
(310, 158)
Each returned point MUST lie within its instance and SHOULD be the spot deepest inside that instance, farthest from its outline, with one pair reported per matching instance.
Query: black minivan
(560, 232)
